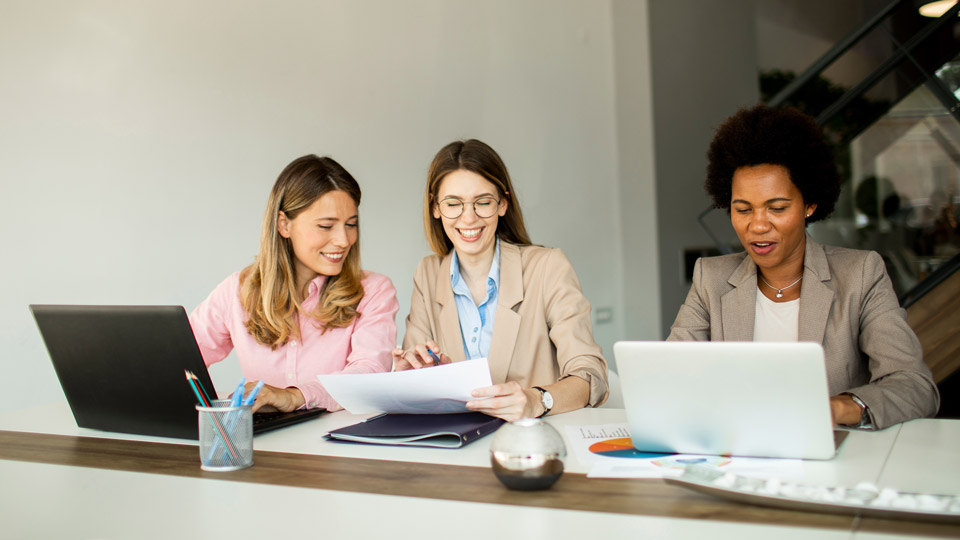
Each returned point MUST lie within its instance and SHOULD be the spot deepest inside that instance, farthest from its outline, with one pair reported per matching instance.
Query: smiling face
(769, 215)
(321, 235)
(472, 236)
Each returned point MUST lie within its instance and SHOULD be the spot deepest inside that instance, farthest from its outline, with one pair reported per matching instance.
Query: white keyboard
(864, 499)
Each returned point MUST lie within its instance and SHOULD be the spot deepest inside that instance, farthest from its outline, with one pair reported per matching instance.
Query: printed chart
(610, 453)
(621, 448)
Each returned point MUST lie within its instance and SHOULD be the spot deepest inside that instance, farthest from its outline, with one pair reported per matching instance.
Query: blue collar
(492, 276)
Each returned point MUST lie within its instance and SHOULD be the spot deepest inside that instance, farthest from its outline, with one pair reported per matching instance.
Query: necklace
(780, 290)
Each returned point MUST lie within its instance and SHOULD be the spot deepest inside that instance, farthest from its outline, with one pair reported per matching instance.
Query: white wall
(703, 68)
(138, 140)
(638, 194)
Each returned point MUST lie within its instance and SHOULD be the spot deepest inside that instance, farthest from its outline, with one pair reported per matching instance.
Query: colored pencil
(203, 401)
(202, 389)
(196, 387)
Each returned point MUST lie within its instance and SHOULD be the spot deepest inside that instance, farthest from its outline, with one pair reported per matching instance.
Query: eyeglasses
(452, 207)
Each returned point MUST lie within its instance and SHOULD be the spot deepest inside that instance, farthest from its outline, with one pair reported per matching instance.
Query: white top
(776, 321)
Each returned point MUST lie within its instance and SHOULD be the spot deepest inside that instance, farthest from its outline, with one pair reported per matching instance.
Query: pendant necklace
(779, 291)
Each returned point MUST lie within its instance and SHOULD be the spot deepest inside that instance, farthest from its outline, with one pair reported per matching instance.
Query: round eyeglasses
(484, 207)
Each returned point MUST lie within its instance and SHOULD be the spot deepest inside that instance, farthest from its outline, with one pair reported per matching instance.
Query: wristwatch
(546, 399)
(864, 415)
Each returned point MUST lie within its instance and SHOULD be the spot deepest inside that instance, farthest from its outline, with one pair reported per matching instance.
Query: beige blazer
(847, 304)
(541, 332)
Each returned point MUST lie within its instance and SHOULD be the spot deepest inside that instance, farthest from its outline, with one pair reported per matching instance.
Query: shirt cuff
(599, 391)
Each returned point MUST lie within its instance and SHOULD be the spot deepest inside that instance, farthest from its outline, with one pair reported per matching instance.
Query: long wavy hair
(268, 288)
(477, 157)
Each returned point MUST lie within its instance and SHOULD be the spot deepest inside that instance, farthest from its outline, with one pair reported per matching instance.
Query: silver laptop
(727, 398)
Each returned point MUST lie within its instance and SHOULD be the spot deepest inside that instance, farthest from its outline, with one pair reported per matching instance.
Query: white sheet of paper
(439, 389)
(674, 465)
(621, 461)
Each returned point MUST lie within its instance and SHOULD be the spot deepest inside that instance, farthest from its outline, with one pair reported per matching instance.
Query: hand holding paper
(440, 389)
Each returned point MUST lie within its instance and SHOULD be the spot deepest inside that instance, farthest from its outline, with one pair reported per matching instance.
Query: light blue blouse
(476, 322)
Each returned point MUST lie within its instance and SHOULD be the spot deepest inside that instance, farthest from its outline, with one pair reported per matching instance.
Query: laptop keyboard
(267, 421)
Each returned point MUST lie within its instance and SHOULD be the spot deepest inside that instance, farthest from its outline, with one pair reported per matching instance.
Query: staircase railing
(902, 52)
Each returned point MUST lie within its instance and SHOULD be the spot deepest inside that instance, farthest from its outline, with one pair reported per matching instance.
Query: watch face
(547, 399)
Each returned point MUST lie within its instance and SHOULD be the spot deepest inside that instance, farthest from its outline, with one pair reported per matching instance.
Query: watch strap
(864, 414)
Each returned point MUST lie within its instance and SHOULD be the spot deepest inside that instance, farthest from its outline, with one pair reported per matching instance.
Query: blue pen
(238, 393)
(253, 394)
(436, 359)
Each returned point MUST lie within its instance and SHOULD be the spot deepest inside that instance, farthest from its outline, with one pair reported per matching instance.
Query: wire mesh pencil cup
(226, 436)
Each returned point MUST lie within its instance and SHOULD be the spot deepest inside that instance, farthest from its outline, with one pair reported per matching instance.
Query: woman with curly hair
(773, 172)
(304, 307)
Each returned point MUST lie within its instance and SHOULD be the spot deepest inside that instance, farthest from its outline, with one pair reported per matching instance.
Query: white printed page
(437, 389)
(608, 449)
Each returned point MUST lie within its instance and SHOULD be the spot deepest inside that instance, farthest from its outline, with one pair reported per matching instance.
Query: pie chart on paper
(622, 448)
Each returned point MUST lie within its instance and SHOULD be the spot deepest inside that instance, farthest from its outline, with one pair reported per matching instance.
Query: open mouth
(333, 257)
(470, 235)
(762, 248)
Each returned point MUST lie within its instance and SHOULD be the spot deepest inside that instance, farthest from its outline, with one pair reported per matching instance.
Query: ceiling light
(936, 9)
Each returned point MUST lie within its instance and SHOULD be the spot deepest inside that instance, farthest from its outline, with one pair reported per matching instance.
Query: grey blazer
(847, 304)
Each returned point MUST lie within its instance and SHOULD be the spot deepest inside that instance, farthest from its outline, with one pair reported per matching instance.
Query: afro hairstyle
(763, 135)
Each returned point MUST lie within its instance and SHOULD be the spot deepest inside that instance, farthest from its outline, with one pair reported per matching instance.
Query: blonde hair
(268, 288)
(477, 157)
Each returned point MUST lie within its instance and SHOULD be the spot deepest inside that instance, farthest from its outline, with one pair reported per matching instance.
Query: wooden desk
(98, 479)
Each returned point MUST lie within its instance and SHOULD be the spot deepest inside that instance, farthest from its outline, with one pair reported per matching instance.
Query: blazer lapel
(450, 338)
(506, 324)
(738, 306)
(816, 298)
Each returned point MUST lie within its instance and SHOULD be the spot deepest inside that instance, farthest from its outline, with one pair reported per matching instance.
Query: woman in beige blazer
(487, 292)
(772, 170)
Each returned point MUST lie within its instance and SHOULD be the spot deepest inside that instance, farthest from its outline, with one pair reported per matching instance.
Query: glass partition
(904, 189)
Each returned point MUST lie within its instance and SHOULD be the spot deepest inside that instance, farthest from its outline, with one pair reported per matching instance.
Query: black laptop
(122, 369)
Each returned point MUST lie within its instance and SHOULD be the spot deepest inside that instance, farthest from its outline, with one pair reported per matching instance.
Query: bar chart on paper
(607, 440)
(609, 450)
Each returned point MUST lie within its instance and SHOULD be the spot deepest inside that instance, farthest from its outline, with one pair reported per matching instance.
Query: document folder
(436, 430)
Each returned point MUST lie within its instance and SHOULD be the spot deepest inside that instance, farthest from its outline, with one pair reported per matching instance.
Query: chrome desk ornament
(527, 454)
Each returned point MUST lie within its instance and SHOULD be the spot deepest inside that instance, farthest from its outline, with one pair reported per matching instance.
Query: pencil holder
(226, 436)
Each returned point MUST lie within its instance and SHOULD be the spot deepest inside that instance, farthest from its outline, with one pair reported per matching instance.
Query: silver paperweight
(527, 454)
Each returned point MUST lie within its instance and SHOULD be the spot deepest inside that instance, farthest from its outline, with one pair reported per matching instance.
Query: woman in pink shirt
(304, 307)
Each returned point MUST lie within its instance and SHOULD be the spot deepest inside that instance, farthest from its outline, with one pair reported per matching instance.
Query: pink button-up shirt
(362, 347)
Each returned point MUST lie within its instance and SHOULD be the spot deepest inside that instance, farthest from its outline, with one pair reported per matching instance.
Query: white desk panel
(52, 501)
(926, 458)
(860, 459)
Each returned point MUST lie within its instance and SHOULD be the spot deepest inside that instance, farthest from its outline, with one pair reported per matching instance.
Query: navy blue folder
(437, 430)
